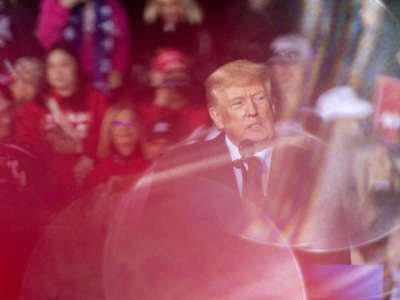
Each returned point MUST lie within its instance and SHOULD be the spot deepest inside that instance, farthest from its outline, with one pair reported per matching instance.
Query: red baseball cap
(169, 59)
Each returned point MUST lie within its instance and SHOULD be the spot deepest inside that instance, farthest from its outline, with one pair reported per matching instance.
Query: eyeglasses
(126, 123)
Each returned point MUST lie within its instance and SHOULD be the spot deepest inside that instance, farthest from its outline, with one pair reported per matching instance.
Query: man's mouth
(256, 125)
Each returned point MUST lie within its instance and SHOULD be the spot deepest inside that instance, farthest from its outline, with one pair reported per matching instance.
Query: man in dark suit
(229, 218)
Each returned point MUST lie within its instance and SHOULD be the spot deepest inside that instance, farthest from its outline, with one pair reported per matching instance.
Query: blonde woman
(118, 151)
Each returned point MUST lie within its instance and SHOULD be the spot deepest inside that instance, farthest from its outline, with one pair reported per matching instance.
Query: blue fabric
(103, 41)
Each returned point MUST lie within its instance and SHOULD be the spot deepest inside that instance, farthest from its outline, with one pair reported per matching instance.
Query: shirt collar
(235, 154)
(233, 149)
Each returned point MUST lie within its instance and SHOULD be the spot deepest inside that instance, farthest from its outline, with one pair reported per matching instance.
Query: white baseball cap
(342, 102)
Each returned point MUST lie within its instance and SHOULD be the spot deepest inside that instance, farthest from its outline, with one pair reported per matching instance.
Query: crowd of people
(92, 100)
(81, 58)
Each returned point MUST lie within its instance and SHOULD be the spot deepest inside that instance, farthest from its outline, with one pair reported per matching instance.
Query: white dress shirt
(264, 155)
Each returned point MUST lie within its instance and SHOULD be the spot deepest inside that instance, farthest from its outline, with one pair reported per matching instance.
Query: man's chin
(258, 137)
(260, 141)
(255, 136)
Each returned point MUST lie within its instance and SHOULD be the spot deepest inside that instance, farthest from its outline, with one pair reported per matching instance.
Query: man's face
(244, 113)
(288, 76)
(154, 148)
(170, 97)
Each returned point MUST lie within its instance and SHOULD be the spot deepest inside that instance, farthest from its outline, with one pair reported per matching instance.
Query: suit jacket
(189, 171)
(198, 239)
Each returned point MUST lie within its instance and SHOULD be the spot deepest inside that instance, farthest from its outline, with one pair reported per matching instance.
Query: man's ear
(216, 117)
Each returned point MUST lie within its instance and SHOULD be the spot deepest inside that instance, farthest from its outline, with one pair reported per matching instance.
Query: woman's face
(61, 71)
(170, 10)
(125, 132)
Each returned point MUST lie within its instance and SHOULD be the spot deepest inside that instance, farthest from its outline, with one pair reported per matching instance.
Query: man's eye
(237, 104)
(259, 98)
(117, 124)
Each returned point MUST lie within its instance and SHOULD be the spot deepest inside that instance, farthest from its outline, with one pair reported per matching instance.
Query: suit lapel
(222, 171)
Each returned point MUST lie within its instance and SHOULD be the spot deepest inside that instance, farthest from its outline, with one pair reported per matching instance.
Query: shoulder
(298, 154)
(30, 108)
(184, 173)
(296, 157)
(138, 165)
(18, 150)
(195, 111)
(96, 98)
(197, 153)
(292, 137)
(94, 94)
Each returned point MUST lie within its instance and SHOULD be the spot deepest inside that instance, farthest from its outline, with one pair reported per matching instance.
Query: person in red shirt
(174, 96)
(160, 137)
(22, 214)
(119, 153)
(23, 80)
(169, 63)
(173, 101)
(63, 125)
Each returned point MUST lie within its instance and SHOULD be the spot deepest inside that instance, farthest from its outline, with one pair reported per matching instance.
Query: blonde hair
(192, 12)
(237, 73)
(104, 148)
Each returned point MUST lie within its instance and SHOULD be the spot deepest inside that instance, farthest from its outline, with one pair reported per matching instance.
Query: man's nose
(251, 108)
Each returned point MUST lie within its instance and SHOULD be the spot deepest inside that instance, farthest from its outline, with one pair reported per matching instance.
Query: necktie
(253, 180)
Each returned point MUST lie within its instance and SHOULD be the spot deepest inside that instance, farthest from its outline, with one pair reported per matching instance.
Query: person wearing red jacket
(174, 102)
(22, 214)
(119, 152)
(173, 96)
(63, 125)
(23, 80)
